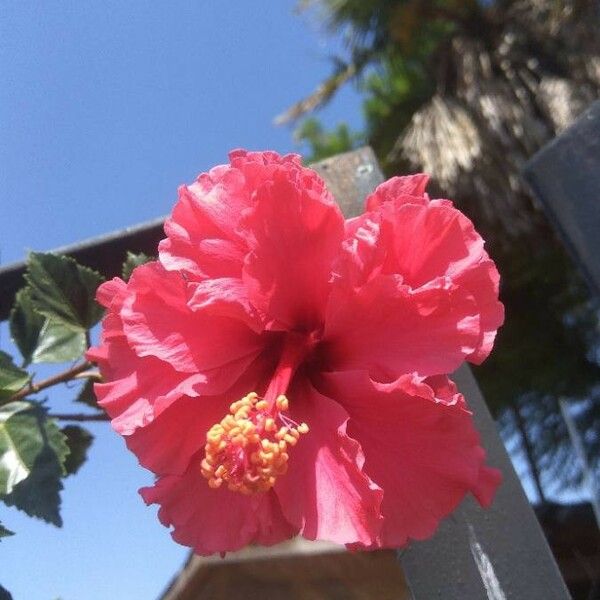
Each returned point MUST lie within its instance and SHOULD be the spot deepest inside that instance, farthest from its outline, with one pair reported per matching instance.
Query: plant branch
(34, 388)
(95, 375)
(79, 417)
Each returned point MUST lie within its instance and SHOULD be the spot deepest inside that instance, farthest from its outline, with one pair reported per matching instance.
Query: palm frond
(324, 92)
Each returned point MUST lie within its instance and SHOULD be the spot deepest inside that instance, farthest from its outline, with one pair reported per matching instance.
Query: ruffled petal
(294, 231)
(439, 241)
(420, 446)
(388, 329)
(111, 294)
(258, 166)
(166, 444)
(138, 389)
(429, 242)
(363, 251)
(211, 521)
(134, 400)
(325, 492)
(421, 240)
(483, 280)
(201, 239)
(158, 322)
(202, 232)
(225, 297)
(409, 189)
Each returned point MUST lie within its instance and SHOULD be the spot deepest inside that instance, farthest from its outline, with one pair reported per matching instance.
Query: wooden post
(565, 177)
(494, 554)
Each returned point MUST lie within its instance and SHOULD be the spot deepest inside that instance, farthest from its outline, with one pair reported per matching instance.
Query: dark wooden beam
(565, 177)
(105, 254)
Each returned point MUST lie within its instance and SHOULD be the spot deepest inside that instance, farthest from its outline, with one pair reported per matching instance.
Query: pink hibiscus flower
(283, 371)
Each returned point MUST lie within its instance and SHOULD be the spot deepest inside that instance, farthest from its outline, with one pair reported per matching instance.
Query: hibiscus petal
(136, 399)
(420, 448)
(325, 492)
(483, 280)
(202, 238)
(407, 189)
(363, 250)
(437, 240)
(293, 231)
(211, 521)
(388, 329)
(226, 297)
(158, 322)
(422, 240)
(136, 390)
(429, 242)
(139, 389)
(258, 167)
(209, 209)
(166, 444)
(111, 293)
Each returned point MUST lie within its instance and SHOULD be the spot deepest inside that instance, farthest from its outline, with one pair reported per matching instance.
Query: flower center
(248, 449)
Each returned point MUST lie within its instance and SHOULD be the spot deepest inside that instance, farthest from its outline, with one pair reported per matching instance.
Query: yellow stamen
(247, 450)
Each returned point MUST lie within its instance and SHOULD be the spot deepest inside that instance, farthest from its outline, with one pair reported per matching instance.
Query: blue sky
(105, 108)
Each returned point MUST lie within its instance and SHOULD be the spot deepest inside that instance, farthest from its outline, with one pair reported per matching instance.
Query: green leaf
(25, 324)
(12, 379)
(25, 430)
(79, 440)
(132, 261)
(59, 343)
(5, 532)
(19, 446)
(32, 454)
(41, 339)
(87, 396)
(39, 494)
(63, 290)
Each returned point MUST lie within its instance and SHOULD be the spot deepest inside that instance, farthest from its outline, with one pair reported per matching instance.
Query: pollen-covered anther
(248, 449)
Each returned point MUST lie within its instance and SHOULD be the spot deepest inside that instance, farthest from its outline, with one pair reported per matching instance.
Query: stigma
(248, 449)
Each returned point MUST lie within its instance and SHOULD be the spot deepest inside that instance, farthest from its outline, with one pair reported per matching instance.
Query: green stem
(34, 388)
